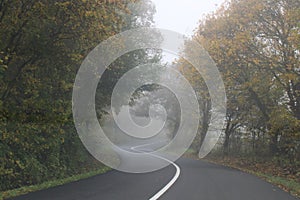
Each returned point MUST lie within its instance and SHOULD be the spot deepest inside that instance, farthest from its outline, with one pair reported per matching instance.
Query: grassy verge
(288, 184)
(49, 184)
(267, 171)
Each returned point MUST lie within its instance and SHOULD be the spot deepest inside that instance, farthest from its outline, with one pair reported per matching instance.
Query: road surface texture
(198, 180)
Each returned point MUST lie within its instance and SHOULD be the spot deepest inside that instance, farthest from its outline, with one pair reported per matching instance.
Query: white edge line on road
(173, 180)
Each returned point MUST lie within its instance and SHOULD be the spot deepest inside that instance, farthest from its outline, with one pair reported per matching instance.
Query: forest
(42, 46)
(254, 43)
(256, 47)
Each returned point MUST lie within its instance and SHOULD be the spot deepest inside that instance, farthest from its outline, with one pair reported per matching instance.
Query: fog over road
(186, 179)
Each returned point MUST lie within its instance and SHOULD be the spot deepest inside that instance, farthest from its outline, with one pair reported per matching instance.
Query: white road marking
(173, 180)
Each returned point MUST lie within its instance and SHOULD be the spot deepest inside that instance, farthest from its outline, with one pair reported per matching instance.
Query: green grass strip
(49, 184)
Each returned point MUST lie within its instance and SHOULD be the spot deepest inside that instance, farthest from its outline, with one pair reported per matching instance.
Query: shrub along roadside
(49, 184)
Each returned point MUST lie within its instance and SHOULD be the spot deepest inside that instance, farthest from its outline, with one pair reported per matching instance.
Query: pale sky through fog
(182, 16)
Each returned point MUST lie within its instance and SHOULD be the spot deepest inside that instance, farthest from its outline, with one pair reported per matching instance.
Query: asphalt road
(198, 180)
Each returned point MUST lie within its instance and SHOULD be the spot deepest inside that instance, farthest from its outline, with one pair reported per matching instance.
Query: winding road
(197, 180)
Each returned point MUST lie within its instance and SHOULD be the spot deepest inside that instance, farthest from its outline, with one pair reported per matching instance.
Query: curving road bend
(198, 180)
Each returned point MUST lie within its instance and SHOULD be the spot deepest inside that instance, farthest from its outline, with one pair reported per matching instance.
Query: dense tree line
(256, 46)
(43, 43)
